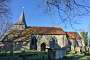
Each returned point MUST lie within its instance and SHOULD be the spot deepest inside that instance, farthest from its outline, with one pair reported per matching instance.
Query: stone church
(23, 37)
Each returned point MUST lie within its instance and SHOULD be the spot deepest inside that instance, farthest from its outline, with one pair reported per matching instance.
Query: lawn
(24, 55)
(73, 56)
(36, 55)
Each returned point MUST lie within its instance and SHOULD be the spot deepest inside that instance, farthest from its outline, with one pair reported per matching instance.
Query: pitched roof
(24, 34)
(47, 30)
(73, 35)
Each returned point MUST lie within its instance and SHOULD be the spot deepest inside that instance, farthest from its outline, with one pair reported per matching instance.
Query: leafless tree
(4, 16)
(68, 9)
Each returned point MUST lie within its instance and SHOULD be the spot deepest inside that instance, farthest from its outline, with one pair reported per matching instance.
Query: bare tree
(68, 9)
(4, 16)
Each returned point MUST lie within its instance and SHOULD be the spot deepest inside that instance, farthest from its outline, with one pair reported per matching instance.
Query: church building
(23, 37)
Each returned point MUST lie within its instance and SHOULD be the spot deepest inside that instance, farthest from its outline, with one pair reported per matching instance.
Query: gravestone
(54, 54)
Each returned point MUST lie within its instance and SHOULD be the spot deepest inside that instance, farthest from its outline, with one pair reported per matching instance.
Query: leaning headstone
(51, 54)
(60, 53)
(55, 54)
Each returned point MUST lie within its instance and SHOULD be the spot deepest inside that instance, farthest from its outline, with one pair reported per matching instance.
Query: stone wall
(51, 41)
(58, 41)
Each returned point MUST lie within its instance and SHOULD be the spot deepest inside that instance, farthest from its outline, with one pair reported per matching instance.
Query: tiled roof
(73, 35)
(47, 30)
(16, 34)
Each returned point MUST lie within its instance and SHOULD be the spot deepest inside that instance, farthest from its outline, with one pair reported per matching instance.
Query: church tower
(21, 24)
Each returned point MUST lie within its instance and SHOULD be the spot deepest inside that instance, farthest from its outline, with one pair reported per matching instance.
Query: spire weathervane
(22, 7)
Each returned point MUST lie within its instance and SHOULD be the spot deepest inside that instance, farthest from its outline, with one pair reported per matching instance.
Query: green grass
(26, 54)
(85, 58)
(33, 54)
(73, 56)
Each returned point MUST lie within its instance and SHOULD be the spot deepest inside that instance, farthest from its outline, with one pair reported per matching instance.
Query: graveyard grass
(19, 55)
(77, 56)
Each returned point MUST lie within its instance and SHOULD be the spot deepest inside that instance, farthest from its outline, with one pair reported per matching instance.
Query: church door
(43, 47)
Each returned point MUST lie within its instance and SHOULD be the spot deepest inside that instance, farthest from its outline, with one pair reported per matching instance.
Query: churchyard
(34, 55)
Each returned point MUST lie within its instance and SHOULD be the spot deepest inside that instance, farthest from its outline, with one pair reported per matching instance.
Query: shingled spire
(21, 20)
(21, 24)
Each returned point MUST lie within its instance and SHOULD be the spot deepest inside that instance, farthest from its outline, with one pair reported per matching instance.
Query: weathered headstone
(54, 54)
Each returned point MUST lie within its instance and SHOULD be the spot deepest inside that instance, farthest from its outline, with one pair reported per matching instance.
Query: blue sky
(36, 16)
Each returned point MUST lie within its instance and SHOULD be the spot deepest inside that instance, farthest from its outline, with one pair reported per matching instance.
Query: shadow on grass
(73, 57)
(24, 56)
(41, 56)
